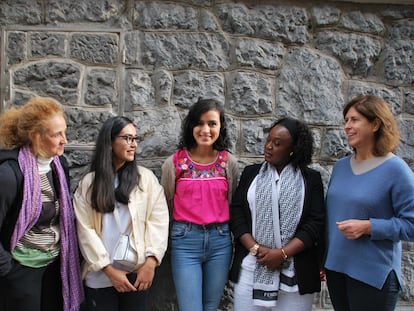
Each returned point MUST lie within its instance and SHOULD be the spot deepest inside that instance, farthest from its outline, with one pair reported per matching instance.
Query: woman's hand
(145, 274)
(271, 259)
(119, 279)
(353, 229)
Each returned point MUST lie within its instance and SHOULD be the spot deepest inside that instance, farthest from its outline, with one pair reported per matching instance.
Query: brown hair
(18, 122)
(375, 108)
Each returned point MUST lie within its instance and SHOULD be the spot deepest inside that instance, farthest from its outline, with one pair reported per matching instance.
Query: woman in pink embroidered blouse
(199, 179)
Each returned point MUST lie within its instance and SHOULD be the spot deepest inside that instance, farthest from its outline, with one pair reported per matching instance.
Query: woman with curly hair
(277, 218)
(39, 259)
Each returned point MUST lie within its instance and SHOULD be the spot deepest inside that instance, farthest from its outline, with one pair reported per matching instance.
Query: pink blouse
(201, 190)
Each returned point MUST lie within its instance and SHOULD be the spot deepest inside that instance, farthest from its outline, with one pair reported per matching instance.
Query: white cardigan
(149, 214)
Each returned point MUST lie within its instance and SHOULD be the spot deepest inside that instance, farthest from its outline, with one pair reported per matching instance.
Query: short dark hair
(192, 119)
(302, 141)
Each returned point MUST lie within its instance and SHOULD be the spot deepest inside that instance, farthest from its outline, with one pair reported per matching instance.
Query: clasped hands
(145, 276)
(271, 258)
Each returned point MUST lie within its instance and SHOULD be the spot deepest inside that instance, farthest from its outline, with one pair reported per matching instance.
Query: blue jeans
(348, 294)
(200, 260)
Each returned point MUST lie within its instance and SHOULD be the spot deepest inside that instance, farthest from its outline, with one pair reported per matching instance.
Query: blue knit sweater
(385, 196)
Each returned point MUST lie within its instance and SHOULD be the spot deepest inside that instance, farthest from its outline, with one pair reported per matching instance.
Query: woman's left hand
(145, 274)
(271, 259)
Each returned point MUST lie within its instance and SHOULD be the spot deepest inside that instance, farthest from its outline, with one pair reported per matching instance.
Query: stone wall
(150, 60)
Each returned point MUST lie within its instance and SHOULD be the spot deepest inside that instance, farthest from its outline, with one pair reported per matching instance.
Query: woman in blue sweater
(370, 209)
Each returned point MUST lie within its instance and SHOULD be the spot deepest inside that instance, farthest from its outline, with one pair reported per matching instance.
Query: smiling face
(360, 131)
(278, 147)
(122, 151)
(52, 141)
(207, 131)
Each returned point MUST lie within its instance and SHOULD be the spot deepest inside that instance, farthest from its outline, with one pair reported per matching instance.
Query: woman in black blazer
(277, 219)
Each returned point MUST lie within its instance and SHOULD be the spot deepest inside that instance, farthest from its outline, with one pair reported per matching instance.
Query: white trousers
(243, 297)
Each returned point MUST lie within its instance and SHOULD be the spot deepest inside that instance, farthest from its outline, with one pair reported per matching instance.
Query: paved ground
(399, 308)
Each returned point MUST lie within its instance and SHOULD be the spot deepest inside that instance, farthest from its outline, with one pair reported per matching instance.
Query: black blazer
(310, 229)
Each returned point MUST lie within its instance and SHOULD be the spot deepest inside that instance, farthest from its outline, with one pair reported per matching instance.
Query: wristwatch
(254, 249)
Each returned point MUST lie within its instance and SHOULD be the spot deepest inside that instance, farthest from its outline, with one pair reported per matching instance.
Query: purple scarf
(72, 289)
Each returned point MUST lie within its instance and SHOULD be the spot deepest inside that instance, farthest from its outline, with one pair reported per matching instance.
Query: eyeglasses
(129, 139)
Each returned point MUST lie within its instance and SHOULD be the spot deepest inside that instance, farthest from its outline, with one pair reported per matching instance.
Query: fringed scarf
(72, 289)
(275, 227)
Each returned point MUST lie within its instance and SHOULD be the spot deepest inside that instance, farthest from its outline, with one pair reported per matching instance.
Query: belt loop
(188, 226)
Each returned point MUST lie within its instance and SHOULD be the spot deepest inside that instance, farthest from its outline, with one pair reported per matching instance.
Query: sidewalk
(398, 308)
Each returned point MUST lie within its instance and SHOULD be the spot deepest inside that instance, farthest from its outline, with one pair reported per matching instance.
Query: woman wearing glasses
(119, 199)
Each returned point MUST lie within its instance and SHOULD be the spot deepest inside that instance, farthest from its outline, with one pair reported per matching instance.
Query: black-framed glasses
(129, 139)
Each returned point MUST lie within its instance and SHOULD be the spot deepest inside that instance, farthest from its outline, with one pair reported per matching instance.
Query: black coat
(11, 190)
(310, 229)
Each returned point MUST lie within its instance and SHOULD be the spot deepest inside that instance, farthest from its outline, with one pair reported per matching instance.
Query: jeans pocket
(179, 230)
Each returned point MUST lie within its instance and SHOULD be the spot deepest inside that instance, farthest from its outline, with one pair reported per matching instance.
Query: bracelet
(285, 256)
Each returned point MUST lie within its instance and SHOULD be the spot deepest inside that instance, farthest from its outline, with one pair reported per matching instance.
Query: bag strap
(118, 222)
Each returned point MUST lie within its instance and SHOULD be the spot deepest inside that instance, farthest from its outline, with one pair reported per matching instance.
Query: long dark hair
(193, 118)
(104, 195)
(302, 141)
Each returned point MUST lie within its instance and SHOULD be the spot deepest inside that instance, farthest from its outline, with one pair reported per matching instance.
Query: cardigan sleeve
(168, 180)
(90, 243)
(311, 226)
(240, 215)
(156, 211)
(232, 175)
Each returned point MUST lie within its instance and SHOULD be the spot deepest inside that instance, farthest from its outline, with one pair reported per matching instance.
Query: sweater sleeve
(401, 225)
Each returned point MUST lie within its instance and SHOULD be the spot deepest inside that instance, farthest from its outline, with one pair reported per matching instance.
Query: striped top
(40, 245)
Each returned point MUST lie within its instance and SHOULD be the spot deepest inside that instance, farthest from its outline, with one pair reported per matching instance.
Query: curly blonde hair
(374, 108)
(18, 122)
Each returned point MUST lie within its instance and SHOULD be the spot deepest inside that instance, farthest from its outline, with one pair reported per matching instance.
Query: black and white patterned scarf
(275, 226)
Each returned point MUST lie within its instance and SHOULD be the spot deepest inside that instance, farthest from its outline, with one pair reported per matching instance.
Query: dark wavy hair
(193, 118)
(302, 141)
(104, 196)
